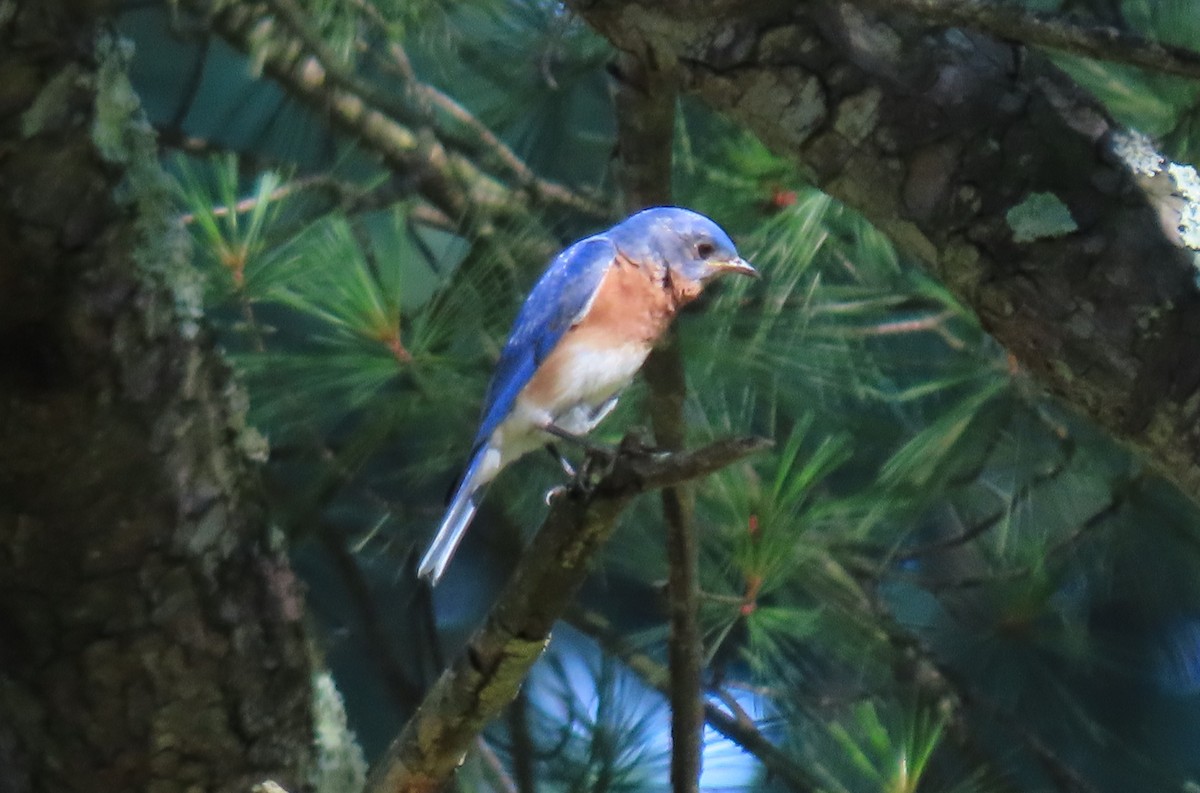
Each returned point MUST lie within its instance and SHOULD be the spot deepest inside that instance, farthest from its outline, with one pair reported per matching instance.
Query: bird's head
(691, 248)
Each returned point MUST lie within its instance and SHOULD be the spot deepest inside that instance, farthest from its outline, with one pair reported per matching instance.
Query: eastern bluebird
(581, 336)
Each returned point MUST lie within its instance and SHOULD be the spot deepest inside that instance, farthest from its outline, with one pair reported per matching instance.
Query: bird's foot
(598, 458)
(583, 480)
(596, 465)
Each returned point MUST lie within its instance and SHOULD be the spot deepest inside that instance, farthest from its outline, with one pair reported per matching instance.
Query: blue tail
(454, 523)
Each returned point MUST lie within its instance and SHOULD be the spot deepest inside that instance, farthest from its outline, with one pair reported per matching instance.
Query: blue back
(557, 300)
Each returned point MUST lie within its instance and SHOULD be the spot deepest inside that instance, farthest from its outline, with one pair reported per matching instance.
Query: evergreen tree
(967, 560)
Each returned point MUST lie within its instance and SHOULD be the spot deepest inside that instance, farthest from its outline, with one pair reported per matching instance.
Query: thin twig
(987, 524)
(738, 727)
(487, 673)
(1010, 21)
(523, 748)
(501, 153)
(664, 374)
(494, 764)
(350, 198)
(428, 98)
(1118, 498)
(645, 100)
(915, 665)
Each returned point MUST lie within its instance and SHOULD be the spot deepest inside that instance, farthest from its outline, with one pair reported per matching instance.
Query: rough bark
(150, 634)
(936, 135)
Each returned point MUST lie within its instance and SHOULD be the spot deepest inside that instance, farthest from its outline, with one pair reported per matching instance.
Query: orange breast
(630, 311)
(630, 306)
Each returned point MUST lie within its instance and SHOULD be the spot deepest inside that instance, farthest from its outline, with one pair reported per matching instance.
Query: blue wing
(556, 302)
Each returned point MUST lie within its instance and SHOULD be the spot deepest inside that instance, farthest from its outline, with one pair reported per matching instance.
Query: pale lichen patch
(1137, 151)
(340, 764)
(1178, 202)
(1187, 184)
(124, 137)
(1040, 216)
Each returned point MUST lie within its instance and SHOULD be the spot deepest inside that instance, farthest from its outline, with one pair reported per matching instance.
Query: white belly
(573, 398)
(590, 377)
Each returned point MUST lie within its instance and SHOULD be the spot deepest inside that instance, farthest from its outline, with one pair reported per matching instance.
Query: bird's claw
(583, 479)
(555, 492)
(598, 459)
(563, 462)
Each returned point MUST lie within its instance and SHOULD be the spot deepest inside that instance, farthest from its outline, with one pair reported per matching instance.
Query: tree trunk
(943, 138)
(150, 631)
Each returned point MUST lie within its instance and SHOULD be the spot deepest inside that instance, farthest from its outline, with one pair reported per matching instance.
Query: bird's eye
(705, 249)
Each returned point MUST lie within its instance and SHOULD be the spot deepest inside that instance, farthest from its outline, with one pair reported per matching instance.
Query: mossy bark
(150, 633)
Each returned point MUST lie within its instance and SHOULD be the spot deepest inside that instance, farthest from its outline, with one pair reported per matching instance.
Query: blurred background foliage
(938, 580)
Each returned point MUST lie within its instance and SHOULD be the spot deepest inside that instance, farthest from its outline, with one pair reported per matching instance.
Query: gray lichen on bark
(150, 630)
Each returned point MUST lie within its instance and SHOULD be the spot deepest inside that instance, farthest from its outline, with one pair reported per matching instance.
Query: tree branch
(486, 143)
(664, 374)
(523, 748)
(486, 675)
(405, 694)
(349, 197)
(450, 181)
(425, 98)
(1009, 21)
(645, 100)
(296, 20)
(421, 101)
(740, 730)
(645, 107)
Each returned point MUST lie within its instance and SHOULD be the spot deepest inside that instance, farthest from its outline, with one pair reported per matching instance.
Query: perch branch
(488, 672)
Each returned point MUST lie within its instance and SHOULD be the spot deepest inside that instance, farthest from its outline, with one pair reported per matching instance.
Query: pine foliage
(937, 580)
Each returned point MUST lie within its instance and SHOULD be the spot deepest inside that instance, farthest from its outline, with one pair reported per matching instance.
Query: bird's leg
(577, 476)
(551, 428)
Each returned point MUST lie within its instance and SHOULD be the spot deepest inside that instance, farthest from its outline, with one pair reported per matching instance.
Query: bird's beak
(736, 265)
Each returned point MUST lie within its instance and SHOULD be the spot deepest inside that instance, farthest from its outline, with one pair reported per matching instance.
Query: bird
(580, 337)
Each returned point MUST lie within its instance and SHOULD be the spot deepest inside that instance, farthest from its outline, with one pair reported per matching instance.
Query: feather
(458, 515)
(560, 297)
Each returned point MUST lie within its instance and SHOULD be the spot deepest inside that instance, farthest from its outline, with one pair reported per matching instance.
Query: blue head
(692, 248)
